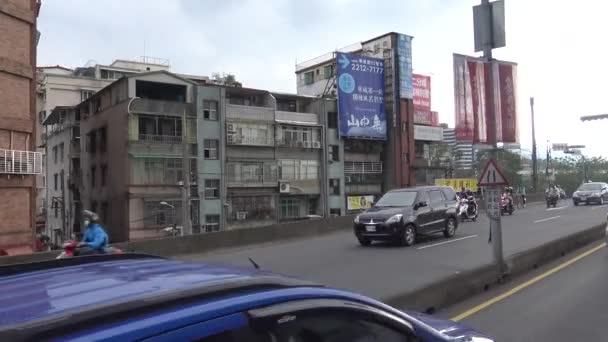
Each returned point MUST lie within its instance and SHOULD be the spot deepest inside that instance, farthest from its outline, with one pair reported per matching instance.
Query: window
(234, 335)
(56, 208)
(244, 208)
(104, 212)
(61, 152)
(93, 176)
(309, 77)
(212, 188)
(328, 71)
(156, 214)
(94, 206)
(85, 94)
(339, 325)
(334, 186)
(290, 208)
(210, 149)
(332, 120)
(102, 139)
(291, 169)
(334, 153)
(212, 223)
(397, 199)
(55, 154)
(313, 205)
(91, 143)
(449, 193)
(210, 110)
(436, 196)
(335, 212)
(104, 169)
(55, 181)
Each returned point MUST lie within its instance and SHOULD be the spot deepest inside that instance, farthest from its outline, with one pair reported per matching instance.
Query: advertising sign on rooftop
(404, 57)
(361, 93)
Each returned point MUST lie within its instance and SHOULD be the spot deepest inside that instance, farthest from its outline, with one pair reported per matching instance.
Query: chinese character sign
(361, 96)
(422, 92)
(404, 56)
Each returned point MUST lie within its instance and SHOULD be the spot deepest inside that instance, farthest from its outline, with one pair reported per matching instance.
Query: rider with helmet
(95, 239)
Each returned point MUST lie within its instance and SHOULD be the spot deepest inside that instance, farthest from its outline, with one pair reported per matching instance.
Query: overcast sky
(560, 46)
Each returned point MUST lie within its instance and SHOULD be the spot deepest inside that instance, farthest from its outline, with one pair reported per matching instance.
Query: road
(384, 270)
(567, 304)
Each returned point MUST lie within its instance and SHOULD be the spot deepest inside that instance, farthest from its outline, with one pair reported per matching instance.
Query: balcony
(20, 162)
(252, 174)
(234, 139)
(362, 167)
(162, 139)
(297, 117)
(299, 144)
(156, 107)
(249, 113)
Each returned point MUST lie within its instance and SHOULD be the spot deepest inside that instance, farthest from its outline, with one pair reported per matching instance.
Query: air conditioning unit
(300, 144)
(241, 215)
(230, 138)
(230, 128)
(284, 188)
(316, 144)
(307, 144)
(346, 179)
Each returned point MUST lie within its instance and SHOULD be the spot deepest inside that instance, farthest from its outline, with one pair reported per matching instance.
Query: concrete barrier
(456, 288)
(201, 243)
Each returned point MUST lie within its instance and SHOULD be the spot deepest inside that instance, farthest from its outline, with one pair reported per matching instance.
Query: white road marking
(547, 219)
(600, 206)
(449, 241)
(558, 208)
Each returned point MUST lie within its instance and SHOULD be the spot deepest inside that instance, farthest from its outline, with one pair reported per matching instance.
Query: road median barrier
(461, 286)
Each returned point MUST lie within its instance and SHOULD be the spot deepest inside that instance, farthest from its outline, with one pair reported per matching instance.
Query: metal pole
(186, 224)
(495, 222)
(534, 157)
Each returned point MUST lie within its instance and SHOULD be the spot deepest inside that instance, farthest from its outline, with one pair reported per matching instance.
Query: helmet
(91, 216)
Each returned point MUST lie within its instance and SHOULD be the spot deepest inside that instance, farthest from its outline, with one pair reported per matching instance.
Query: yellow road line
(522, 286)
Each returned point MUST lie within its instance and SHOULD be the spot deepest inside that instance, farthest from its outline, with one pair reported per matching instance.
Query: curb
(457, 288)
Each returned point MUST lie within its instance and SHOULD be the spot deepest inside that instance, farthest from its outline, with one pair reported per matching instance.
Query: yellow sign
(458, 183)
(359, 202)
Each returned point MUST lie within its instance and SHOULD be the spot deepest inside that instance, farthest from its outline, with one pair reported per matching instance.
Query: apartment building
(19, 161)
(370, 166)
(133, 145)
(60, 87)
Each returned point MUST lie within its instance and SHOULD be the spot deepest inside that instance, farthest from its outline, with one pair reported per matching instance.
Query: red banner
(472, 88)
(422, 92)
(434, 119)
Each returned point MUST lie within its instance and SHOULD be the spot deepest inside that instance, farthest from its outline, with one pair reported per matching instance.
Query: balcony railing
(20, 162)
(362, 167)
(249, 112)
(234, 139)
(163, 139)
(299, 144)
(147, 106)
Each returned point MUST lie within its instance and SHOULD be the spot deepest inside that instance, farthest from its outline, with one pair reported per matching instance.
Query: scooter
(552, 200)
(70, 246)
(506, 206)
(467, 209)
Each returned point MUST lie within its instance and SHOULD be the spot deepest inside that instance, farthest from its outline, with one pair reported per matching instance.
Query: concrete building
(462, 152)
(371, 167)
(19, 161)
(430, 154)
(132, 153)
(59, 89)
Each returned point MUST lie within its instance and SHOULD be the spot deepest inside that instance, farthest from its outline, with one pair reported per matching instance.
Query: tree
(226, 79)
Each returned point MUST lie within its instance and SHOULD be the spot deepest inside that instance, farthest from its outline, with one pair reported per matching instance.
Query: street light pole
(534, 157)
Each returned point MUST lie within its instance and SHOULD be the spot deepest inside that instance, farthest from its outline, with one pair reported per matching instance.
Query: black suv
(401, 215)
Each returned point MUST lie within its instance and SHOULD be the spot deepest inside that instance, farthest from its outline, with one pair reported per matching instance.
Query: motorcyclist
(95, 239)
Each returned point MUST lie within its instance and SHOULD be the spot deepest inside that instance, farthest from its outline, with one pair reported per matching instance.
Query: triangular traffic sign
(492, 176)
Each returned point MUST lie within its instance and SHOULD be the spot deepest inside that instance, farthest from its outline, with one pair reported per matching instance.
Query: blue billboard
(404, 56)
(361, 105)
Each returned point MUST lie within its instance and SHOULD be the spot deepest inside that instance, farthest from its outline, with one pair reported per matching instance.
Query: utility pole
(534, 157)
(185, 186)
(548, 162)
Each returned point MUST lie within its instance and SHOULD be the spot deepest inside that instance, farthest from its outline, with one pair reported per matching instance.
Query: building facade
(59, 90)
(371, 167)
(19, 161)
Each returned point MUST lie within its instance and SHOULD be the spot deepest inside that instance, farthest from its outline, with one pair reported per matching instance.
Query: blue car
(134, 297)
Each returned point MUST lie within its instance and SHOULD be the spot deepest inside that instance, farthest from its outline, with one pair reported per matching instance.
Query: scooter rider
(95, 240)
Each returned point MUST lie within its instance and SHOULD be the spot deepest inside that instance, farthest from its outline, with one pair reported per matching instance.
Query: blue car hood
(450, 328)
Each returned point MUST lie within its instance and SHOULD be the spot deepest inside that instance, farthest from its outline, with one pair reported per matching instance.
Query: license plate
(370, 228)
(583, 198)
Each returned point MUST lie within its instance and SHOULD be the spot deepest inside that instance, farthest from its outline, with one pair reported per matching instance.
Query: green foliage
(570, 171)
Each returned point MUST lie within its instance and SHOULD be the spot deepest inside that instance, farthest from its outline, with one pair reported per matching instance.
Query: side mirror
(421, 204)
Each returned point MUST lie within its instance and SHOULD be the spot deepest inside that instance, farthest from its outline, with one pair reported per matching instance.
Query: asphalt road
(384, 270)
(568, 305)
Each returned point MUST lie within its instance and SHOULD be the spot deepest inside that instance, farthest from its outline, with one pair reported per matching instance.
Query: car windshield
(397, 199)
(590, 187)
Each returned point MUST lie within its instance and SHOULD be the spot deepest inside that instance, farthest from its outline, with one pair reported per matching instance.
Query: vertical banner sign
(463, 106)
(422, 99)
(477, 78)
(361, 92)
(404, 55)
(507, 76)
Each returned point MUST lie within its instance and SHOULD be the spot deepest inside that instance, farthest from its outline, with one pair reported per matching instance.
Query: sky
(559, 46)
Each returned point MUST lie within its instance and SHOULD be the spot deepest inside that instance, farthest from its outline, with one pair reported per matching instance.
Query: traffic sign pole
(493, 180)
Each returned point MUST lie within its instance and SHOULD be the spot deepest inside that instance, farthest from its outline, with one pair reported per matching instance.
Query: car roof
(38, 295)
(418, 188)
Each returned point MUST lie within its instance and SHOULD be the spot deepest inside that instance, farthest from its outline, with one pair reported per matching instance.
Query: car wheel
(601, 200)
(450, 228)
(575, 203)
(364, 241)
(409, 236)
